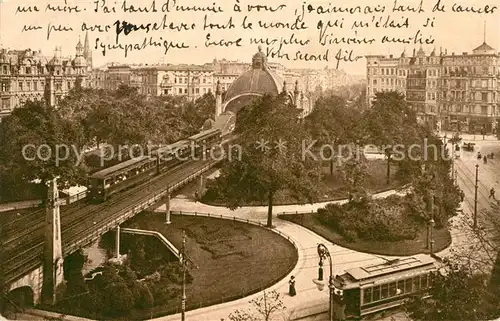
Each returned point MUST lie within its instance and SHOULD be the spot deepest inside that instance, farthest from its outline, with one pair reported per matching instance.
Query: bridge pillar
(167, 209)
(201, 185)
(53, 274)
(117, 242)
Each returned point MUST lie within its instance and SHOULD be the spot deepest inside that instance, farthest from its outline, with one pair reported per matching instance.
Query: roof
(172, 147)
(484, 47)
(363, 273)
(204, 133)
(257, 81)
(120, 167)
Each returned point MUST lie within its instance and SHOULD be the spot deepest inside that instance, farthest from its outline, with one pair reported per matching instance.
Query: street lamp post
(475, 197)
(323, 254)
(184, 262)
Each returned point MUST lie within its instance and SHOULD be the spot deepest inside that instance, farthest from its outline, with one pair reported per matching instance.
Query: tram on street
(378, 287)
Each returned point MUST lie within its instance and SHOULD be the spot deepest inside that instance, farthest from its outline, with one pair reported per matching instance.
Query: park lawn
(442, 238)
(332, 188)
(234, 259)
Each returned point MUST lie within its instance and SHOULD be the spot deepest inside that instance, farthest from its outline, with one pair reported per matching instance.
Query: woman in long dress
(291, 289)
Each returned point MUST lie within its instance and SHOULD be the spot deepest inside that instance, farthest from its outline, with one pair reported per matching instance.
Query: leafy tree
(264, 308)
(390, 123)
(196, 113)
(36, 125)
(456, 294)
(332, 123)
(354, 175)
(265, 166)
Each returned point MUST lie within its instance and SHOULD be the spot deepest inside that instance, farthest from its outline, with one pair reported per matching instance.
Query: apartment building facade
(448, 91)
(29, 75)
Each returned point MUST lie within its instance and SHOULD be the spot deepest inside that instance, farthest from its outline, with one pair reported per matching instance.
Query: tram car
(374, 288)
(104, 183)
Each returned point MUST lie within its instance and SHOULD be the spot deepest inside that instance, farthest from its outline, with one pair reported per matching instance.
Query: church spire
(86, 48)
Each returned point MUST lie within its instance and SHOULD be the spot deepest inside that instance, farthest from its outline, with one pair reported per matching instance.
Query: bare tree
(263, 308)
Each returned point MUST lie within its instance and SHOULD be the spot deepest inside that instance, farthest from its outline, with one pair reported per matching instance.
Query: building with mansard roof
(459, 92)
(29, 75)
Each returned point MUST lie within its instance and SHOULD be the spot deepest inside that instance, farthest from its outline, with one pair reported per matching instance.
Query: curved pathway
(309, 300)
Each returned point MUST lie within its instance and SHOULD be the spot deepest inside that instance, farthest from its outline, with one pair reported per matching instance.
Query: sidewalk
(181, 203)
(309, 300)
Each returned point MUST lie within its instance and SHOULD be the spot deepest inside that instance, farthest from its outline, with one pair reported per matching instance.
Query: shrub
(389, 219)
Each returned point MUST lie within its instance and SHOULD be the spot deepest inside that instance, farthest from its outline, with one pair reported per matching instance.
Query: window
(484, 96)
(384, 291)
(367, 295)
(185, 90)
(400, 288)
(35, 86)
(374, 82)
(408, 286)
(4, 87)
(197, 90)
(484, 110)
(392, 289)
(416, 283)
(424, 281)
(69, 85)
(21, 86)
(180, 90)
(5, 103)
(376, 293)
(28, 85)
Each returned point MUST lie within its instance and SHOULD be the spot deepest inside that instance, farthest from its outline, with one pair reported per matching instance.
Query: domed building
(254, 83)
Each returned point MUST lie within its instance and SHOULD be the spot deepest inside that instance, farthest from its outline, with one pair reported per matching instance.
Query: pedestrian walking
(462, 196)
(479, 155)
(291, 287)
(485, 159)
(492, 193)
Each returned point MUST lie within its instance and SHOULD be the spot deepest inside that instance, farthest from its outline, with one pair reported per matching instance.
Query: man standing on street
(492, 193)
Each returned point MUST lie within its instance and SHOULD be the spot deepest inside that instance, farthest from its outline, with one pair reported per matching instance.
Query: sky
(455, 31)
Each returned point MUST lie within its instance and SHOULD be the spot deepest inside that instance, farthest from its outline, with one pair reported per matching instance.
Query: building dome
(79, 61)
(253, 83)
(55, 61)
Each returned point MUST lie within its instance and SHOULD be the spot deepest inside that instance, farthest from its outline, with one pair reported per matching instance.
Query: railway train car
(171, 155)
(111, 180)
(114, 179)
(371, 289)
(204, 141)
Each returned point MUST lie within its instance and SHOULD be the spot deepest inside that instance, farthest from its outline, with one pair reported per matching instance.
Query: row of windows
(389, 290)
(469, 109)
(25, 70)
(475, 96)
(469, 70)
(194, 80)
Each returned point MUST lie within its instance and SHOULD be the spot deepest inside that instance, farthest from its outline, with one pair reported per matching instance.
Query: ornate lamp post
(323, 254)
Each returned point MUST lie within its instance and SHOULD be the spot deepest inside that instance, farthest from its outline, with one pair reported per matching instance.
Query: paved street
(464, 241)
